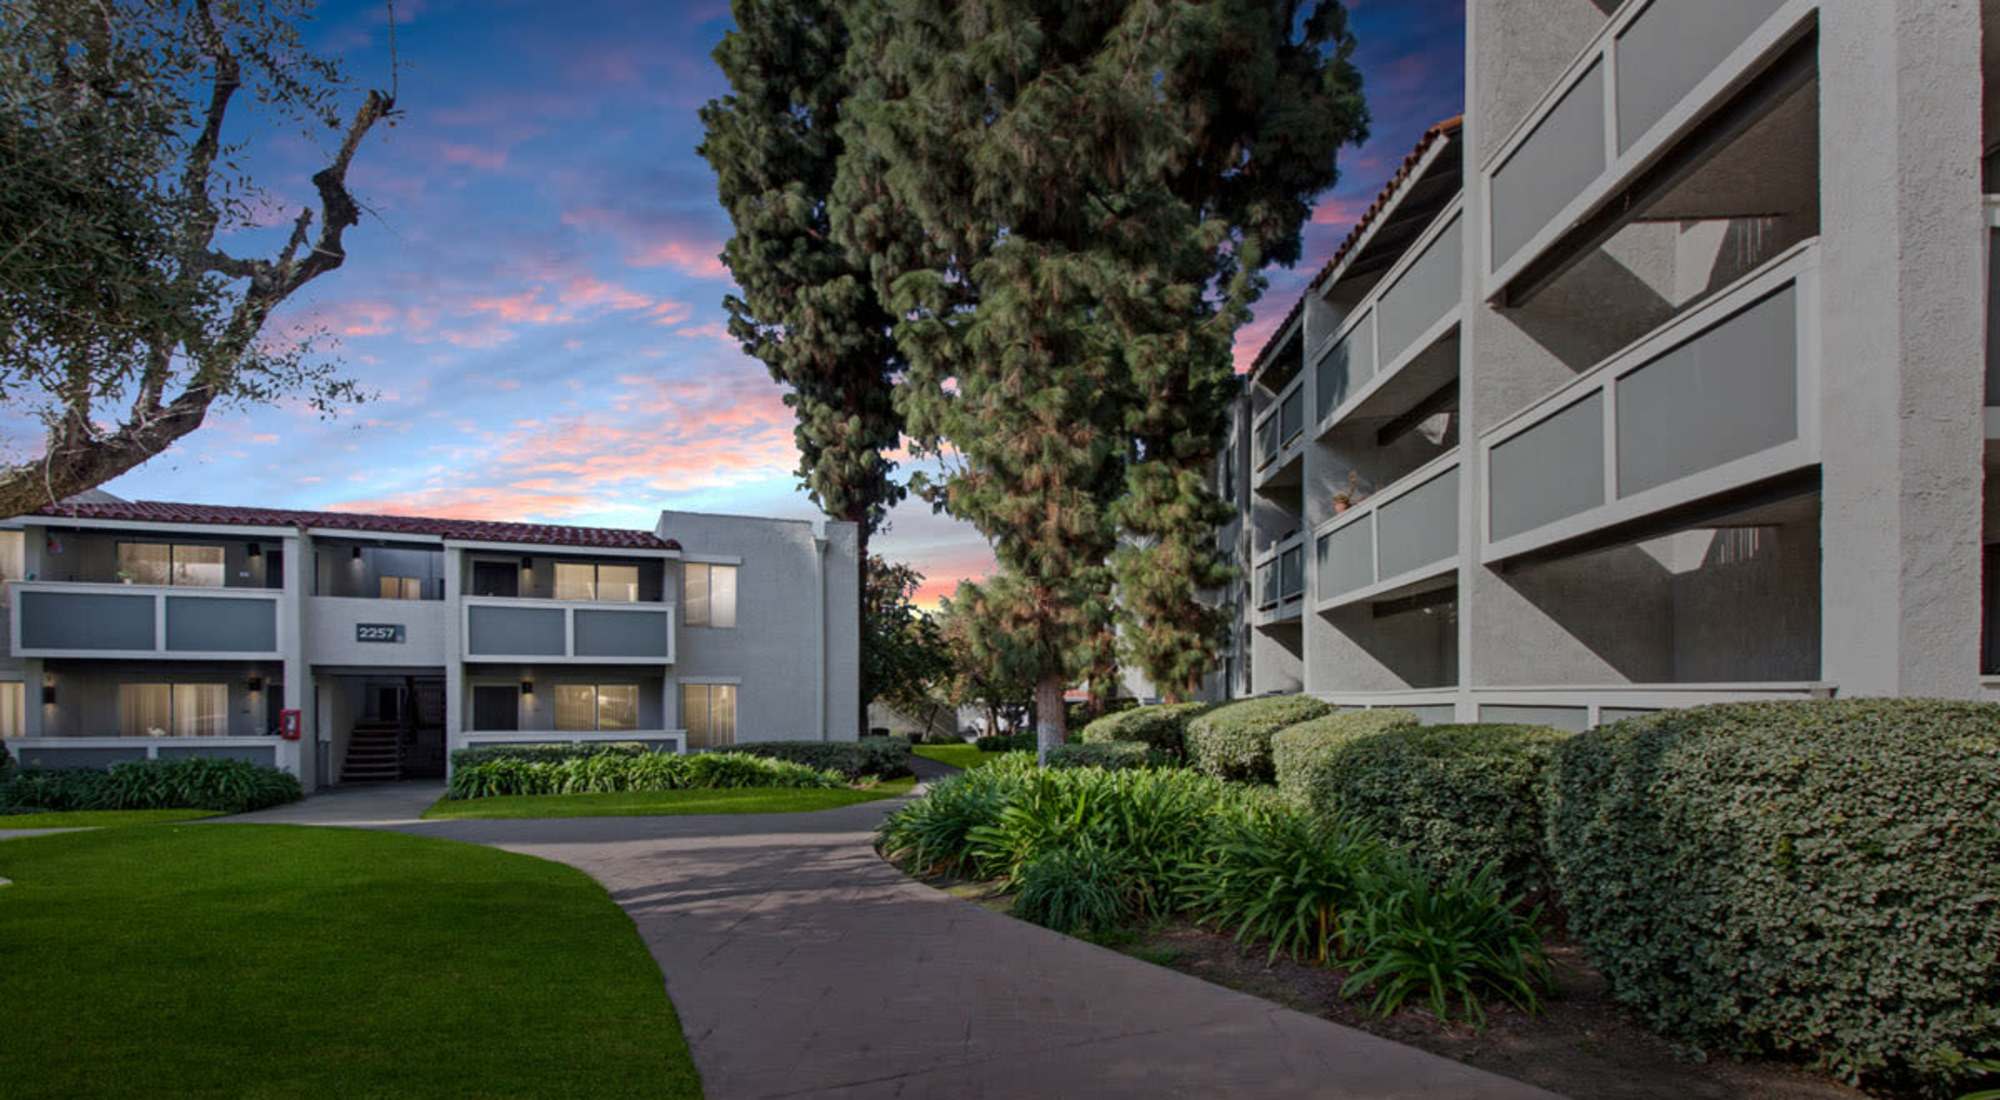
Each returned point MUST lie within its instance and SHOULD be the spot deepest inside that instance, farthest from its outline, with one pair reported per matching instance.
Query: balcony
(1281, 580)
(1653, 73)
(1719, 399)
(1390, 329)
(66, 619)
(1399, 537)
(578, 631)
(1278, 435)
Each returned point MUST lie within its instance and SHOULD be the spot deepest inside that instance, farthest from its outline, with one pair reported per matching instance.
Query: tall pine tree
(1086, 192)
(806, 306)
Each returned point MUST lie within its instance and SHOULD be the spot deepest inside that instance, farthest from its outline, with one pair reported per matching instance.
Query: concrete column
(454, 652)
(1902, 327)
(297, 757)
(33, 711)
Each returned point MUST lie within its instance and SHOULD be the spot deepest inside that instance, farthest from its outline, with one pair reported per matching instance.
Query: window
(161, 563)
(13, 709)
(708, 713)
(597, 706)
(178, 710)
(711, 595)
(585, 581)
(13, 560)
(402, 588)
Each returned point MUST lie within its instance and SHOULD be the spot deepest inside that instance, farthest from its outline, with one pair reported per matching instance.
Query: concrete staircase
(374, 753)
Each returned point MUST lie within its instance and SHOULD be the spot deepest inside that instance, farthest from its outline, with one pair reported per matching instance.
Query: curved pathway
(803, 965)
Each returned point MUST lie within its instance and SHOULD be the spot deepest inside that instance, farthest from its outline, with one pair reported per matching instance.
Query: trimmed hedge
(1233, 741)
(659, 771)
(1164, 727)
(551, 753)
(226, 786)
(1456, 797)
(1007, 742)
(1819, 880)
(881, 757)
(1114, 755)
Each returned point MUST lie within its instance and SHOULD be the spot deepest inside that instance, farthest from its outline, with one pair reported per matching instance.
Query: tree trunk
(1050, 728)
(992, 720)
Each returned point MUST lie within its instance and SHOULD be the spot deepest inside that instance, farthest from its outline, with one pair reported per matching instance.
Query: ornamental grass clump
(933, 834)
(1275, 874)
(606, 773)
(1084, 887)
(1443, 943)
(1817, 880)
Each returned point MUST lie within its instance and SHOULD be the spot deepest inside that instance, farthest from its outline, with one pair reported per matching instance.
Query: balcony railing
(541, 630)
(1653, 72)
(1281, 575)
(1283, 425)
(1992, 232)
(1717, 399)
(1405, 533)
(102, 752)
(66, 619)
(1408, 311)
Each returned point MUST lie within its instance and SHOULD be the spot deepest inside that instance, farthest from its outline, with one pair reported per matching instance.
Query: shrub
(1233, 741)
(1457, 797)
(1442, 941)
(1163, 727)
(1085, 887)
(7, 765)
(226, 786)
(1279, 874)
(1113, 755)
(1814, 879)
(882, 757)
(1152, 818)
(546, 754)
(934, 833)
(602, 773)
(1007, 742)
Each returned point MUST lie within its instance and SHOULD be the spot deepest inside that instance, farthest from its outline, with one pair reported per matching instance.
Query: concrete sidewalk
(804, 966)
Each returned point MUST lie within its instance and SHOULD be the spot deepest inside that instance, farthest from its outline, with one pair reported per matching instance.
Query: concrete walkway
(804, 966)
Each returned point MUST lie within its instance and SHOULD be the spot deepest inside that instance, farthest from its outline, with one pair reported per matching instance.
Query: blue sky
(536, 298)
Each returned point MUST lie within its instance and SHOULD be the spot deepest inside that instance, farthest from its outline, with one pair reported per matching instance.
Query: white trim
(212, 530)
(374, 536)
(568, 609)
(1777, 33)
(159, 593)
(20, 745)
(713, 559)
(1591, 699)
(724, 681)
(474, 738)
(1797, 265)
(556, 550)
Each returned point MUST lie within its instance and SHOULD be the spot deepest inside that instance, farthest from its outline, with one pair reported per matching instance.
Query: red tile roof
(467, 530)
(1431, 136)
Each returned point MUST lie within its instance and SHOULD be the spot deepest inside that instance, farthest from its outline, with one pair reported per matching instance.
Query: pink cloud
(472, 156)
(1337, 211)
(650, 244)
(703, 260)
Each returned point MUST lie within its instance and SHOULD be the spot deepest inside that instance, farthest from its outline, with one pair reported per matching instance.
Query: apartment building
(1665, 375)
(148, 630)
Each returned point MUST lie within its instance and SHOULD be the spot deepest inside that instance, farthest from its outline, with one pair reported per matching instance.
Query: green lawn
(958, 756)
(262, 960)
(90, 819)
(734, 800)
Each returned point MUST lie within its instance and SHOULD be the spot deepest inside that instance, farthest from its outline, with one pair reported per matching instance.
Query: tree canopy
(116, 185)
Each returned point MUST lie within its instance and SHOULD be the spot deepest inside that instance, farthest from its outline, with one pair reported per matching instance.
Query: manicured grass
(93, 819)
(958, 756)
(261, 960)
(733, 800)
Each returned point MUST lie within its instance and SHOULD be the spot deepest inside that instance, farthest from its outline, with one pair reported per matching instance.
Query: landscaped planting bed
(608, 772)
(1817, 883)
(218, 786)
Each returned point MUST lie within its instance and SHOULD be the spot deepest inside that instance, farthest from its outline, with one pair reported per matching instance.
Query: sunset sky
(536, 299)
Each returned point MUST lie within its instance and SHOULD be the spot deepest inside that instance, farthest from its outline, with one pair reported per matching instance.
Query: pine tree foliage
(1068, 207)
(806, 308)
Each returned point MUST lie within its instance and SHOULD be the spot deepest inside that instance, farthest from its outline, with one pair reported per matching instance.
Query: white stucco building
(153, 630)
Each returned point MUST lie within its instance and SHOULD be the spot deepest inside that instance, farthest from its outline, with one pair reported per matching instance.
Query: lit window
(13, 709)
(604, 583)
(708, 713)
(402, 588)
(618, 583)
(160, 563)
(575, 582)
(585, 707)
(711, 595)
(178, 710)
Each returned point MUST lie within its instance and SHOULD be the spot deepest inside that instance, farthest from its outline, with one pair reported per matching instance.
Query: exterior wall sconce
(527, 687)
(256, 684)
(48, 694)
(357, 553)
(256, 550)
